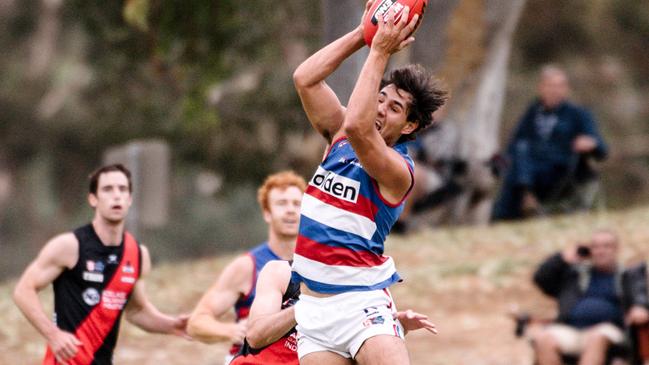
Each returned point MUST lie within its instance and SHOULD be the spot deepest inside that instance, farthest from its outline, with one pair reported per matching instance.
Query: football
(380, 7)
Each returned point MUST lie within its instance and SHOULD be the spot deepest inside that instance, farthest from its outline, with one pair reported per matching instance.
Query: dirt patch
(465, 279)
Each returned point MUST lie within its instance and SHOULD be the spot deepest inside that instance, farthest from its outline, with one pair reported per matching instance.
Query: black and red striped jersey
(89, 298)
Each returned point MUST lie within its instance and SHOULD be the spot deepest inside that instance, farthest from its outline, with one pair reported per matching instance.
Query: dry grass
(464, 278)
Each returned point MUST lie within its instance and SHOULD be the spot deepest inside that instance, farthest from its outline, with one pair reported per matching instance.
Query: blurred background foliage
(213, 79)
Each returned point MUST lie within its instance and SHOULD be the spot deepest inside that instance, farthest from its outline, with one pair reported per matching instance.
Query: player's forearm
(267, 329)
(27, 301)
(323, 63)
(361, 111)
(206, 329)
(150, 319)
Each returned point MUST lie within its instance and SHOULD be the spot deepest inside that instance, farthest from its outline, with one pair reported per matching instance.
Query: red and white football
(380, 7)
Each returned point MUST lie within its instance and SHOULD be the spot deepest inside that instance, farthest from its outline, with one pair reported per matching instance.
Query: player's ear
(92, 200)
(410, 127)
(267, 216)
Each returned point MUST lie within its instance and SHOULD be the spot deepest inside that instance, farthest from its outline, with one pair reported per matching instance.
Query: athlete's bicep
(139, 299)
(271, 285)
(146, 261)
(385, 165)
(57, 255)
(234, 282)
(323, 108)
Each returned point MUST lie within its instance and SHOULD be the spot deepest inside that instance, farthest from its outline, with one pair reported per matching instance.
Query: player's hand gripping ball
(381, 7)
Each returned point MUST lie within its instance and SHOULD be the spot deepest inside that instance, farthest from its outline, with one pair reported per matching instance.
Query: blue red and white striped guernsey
(343, 225)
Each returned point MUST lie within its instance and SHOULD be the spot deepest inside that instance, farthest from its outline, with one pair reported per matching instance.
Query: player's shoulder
(65, 242)
(143, 250)
(276, 273)
(277, 267)
(240, 267)
(62, 249)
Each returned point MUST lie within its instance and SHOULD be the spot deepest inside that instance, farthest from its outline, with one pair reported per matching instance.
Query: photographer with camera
(588, 284)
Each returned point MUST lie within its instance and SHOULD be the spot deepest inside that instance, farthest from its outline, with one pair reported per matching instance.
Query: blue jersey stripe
(314, 231)
(336, 289)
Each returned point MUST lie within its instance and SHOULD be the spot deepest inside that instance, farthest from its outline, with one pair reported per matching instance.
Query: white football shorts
(341, 323)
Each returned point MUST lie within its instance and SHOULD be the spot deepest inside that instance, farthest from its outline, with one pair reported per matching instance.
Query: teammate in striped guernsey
(345, 310)
(279, 198)
(97, 272)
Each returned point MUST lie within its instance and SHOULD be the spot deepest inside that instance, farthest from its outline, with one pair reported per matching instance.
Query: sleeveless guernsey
(89, 298)
(343, 225)
(260, 255)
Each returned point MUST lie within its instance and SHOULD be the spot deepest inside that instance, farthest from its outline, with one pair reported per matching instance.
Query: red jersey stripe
(363, 206)
(92, 331)
(338, 256)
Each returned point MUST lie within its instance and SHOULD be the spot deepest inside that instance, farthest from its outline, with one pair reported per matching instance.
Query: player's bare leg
(324, 357)
(383, 350)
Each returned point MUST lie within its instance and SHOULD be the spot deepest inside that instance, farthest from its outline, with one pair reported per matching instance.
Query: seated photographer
(589, 287)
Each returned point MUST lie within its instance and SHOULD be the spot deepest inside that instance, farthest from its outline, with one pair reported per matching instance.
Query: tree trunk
(338, 18)
(468, 43)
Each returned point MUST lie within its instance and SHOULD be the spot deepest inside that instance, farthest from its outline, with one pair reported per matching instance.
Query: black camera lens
(583, 251)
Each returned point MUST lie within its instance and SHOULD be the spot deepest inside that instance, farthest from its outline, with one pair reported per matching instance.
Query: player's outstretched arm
(322, 106)
(142, 313)
(58, 254)
(268, 322)
(360, 123)
(205, 323)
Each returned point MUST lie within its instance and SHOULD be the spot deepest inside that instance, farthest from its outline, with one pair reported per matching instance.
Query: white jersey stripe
(343, 275)
(337, 218)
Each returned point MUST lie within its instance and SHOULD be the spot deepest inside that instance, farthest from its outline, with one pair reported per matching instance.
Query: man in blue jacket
(549, 148)
(596, 301)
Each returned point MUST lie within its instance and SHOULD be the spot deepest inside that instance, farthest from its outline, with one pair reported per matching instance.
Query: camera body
(583, 251)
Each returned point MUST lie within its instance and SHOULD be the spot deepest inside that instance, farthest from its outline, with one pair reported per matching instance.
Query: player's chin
(115, 218)
(291, 230)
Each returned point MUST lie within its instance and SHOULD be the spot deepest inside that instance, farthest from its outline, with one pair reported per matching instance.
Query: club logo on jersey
(350, 161)
(91, 296)
(95, 266)
(333, 184)
(95, 277)
(128, 268)
(112, 259)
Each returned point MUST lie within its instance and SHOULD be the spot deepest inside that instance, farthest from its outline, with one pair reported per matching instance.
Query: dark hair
(427, 95)
(94, 177)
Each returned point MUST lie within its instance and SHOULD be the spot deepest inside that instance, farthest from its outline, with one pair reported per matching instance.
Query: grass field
(465, 279)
